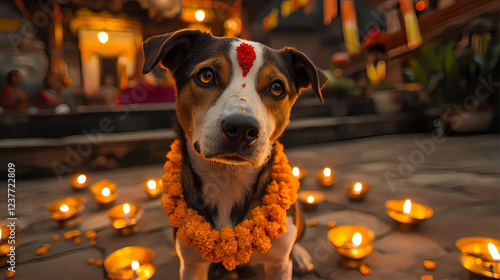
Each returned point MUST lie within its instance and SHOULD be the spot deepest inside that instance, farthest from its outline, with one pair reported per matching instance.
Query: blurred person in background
(13, 98)
(109, 93)
(52, 93)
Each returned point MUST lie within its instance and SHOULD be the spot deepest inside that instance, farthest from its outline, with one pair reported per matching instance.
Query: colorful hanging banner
(350, 27)
(329, 11)
(270, 21)
(411, 24)
(286, 8)
(376, 74)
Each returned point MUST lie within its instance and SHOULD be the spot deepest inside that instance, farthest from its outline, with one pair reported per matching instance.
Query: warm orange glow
(310, 199)
(420, 5)
(126, 208)
(407, 207)
(151, 184)
(0, 233)
(103, 37)
(296, 171)
(106, 192)
(199, 15)
(327, 172)
(135, 265)
(81, 179)
(357, 188)
(493, 252)
(356, 239)
(64, 208)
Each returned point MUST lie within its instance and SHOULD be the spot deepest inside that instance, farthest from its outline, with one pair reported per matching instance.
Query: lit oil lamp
(326, 177)
(4, 245)
(353, 243)
(104, 192)
(310, 199)
(153, 187)
(130, 263)
(79, 181)
(408, 214)
(298, 173)
(4, 234)
(357, 191)
(66, 208)
(480, 255)
(125, 216)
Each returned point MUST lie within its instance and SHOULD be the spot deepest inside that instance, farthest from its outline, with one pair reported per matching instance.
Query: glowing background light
(103, 37)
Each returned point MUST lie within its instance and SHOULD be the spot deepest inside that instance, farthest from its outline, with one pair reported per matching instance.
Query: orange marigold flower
(174, 189)
(243, 256)
(261, 240)
(229, 262)
(273, 187)
(183, 237)
(275, 230)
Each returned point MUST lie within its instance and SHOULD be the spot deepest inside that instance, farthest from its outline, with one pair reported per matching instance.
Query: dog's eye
(277, 89)
(206, 76)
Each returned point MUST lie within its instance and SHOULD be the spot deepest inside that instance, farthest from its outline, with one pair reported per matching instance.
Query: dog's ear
(169, 48)
(304, 72)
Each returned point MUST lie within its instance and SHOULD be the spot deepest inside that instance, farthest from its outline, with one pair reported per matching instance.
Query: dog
(230, 115)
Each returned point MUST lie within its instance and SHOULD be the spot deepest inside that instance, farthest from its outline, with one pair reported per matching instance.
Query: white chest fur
(224, 186)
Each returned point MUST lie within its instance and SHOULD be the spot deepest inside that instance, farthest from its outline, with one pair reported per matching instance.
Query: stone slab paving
(458, 178)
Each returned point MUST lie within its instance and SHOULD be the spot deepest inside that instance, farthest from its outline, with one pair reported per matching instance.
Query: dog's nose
(240, 129)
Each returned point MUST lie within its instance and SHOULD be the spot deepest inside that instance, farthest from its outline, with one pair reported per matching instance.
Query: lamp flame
(135, 265)
(494, 252)
(126, 208)
(199, 15)
(151, 184)
(407, 207)
(327, 172)
(0, 233)
(356, 239)
(106, 191)
(310, 199)
(81, 179)
(64, 208)
(296, 171)
(357, 188)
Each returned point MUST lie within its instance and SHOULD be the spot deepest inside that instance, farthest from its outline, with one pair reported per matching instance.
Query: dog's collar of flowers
(232, 246)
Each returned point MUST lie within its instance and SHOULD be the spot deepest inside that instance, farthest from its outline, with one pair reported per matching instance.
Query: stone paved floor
(458, 178)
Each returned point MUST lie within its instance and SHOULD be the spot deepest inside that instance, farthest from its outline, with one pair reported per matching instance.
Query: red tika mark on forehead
(246, 57)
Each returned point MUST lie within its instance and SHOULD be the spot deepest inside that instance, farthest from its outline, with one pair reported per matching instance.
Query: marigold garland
(232, 246)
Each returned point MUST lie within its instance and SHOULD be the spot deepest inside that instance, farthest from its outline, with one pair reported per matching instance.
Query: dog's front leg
(193, 266)
(279, 270)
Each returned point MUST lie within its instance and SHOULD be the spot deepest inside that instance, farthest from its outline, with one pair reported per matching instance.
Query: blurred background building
(394, 66)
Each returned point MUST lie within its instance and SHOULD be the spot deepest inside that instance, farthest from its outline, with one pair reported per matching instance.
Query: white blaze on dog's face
(232, 108)
(240, 99)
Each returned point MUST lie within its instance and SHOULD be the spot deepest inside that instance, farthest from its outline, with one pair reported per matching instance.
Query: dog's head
(233, 96)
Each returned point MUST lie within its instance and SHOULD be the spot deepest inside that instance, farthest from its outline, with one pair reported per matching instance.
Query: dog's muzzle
(240, 131)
